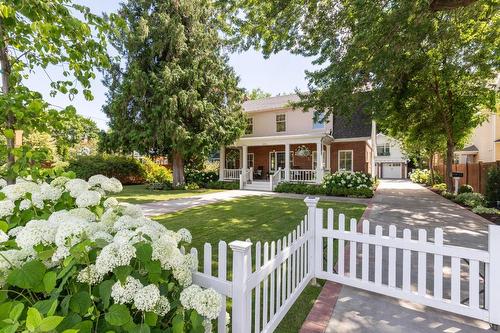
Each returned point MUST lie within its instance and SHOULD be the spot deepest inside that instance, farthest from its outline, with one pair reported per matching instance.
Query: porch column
(287, 161)
(222, 162)
(328, 159)
(319, 162)
(244, 158)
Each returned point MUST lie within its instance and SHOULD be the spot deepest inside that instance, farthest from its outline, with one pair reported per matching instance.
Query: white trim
(253, 160)
(364, 138)
(276, 153)
(280, 139)
(352, 158)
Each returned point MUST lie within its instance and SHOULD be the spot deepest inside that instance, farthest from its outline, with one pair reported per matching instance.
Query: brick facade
(361, 156)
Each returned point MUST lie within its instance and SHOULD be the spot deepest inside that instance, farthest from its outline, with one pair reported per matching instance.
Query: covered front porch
(290, 158)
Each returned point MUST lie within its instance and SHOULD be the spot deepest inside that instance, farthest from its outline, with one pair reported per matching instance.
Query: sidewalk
(405, 205)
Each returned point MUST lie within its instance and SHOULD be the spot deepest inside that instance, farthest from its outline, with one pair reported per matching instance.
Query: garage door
(391, 170)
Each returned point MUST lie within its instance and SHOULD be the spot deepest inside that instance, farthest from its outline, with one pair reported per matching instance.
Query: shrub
(312, 189)
(74, 255)
(470, 199)
(192, 186)
(347, 183)
(485, 210)
(465, 189)
(126, 169)
(223, 185)
(493, 186)
(420, 176)
(155, 173)
(439, 187)
(448, 195)
(201, 178)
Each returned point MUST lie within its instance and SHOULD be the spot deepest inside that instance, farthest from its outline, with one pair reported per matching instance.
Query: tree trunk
(431, 169)
(450, 149)
(10, 121)
(178, 169)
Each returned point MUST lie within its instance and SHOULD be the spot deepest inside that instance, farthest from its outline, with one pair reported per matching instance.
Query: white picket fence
(267, 281)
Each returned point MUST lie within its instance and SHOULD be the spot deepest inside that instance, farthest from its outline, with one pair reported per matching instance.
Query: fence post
(493, 278)
(241, 314)
(312, 204)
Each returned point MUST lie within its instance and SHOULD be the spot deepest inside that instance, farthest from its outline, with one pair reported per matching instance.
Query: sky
(281, 73)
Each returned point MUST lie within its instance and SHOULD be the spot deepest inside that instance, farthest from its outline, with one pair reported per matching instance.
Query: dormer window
(281, 122)
(249, 129)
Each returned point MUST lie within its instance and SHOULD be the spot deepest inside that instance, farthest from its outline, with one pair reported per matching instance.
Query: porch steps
(257, 186)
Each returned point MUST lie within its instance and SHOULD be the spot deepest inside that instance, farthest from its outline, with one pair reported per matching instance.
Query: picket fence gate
(265, 283)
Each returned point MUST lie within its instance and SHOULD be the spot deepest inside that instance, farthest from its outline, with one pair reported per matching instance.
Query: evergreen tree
(176, 93)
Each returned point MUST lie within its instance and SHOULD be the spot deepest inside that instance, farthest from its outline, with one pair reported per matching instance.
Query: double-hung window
(345, 160)
(319, 124)
(281, 122)
(384, 150)
(249, 129)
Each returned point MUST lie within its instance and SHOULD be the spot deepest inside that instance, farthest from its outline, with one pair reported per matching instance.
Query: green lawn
(257, 218)
(138, 194)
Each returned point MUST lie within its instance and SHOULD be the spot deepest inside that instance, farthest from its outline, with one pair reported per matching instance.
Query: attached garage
(392, 170)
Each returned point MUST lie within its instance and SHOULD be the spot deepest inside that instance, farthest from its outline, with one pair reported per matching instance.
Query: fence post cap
(311, 202)
(240, 246)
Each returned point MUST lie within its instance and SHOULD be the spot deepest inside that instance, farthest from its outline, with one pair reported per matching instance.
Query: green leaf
(80, 302)
(142, 328)
(84, 326)
(4, 226)
(49, 281)
(46, 307)
(50, 323)
(16, 311)
(9, 133)
(122, 272)
(69, 322)
(28, 276)
(33, 319)
(196, 322)
(151, 318)
(154, 271)
(178, 324)
(118, 315)
(105, 292)
(144, 252)
(10, 328)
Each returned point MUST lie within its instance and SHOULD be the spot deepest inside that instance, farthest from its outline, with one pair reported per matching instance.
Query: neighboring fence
(265, 284)
(475, 174)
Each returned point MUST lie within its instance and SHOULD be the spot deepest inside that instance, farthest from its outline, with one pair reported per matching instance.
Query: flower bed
(73, 259)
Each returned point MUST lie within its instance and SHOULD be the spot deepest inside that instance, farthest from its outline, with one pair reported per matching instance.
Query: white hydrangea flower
(207, 324)
(69, 232)
(76, 187)
(166, 252)
(123, 294)
(89, 275)
(50, 192)
(3, 183)
(208, 303)
(61, 253)
(126, 222)
(101, 235)
(83, 213)
(59, 217)
(162, 307)
(24, 204)
(185, 235)
(3, 236)
(132, 210)
(6, 208)
(15, 231)
(188, 295)
(11, 259)
(109, 217)
(97, 180)
(88, 199)
(37, 200)
(36, 232)
(112, 185)
(59, 181)
(114, 255)
(147, 298)
(110, 202)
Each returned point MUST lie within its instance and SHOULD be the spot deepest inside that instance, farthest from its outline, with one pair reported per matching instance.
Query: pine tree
(176, 93)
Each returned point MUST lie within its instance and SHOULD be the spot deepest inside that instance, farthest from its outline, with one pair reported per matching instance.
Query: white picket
(474, 284)
(266, 287)
(392, 258)
(283, 273)
(378, 257)
(294, 262)
(406, 262)
(289, 270)
(365, 254)
(272, 290)
(257, 289)
(329, 242)
(455, 280)
(341, 244)
(221, 274)
(207, 259)
(422, 264)
(438, 265)
(352, 249)
(278, 278)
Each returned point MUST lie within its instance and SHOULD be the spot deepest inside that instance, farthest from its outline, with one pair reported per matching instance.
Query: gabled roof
(356, 125)
(270, 103)
(471, 148)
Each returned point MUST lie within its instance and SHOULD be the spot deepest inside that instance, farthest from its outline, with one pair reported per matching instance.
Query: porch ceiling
(283, 139)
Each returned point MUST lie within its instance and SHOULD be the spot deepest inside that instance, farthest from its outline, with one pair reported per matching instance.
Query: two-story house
(390, 160)
(290, 145)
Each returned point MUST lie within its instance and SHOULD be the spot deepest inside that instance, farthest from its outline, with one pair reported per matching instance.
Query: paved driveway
(408, 205)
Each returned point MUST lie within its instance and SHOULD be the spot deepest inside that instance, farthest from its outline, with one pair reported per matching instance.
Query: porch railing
(246, 177)
(275, 179)
(302, 175)
(232, 174)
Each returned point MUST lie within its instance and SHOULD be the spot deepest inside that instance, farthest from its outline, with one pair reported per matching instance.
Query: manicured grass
(259, 219)
(137, 194)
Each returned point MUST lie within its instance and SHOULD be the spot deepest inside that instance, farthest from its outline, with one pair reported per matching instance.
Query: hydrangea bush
(73, 259)
(350, 181)
(420, 176)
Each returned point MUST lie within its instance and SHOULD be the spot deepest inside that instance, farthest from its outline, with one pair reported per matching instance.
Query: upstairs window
(320, 124)
(249, 129)
(384, 150)
(281, 122)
